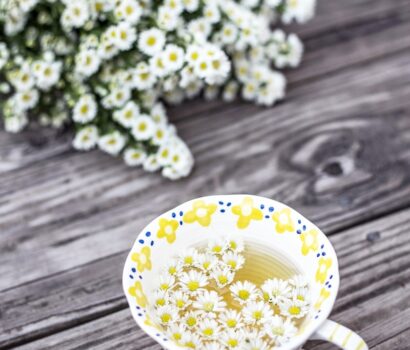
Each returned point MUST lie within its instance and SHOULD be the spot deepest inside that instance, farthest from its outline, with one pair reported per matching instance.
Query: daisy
(173, 57)
(257, 313)
(119, 96)
(209, 302)
(275, 290)
(125, 36)
(229, 33)
(151, 163)
(134, 156)
(158, 114)
(166, 282)
(299, 10)
(244, 291)
(143, 127)
(191, 319)
(236, 244)
(87, 62)
(233, 260)
(193, 53)
(206, 262)
(200, 29)
(174, 5)
(214, 346)
(15, 123)
(112, 143)
(180, 300)
(211, 13)
(166, 315)
(151, 41)
(176, 331)
(299, 281)
(231, 319)
(107, 50)
(193, 281)
(161, 134)
(209, 329)
(164, 154)
(160, 298)
(143, 77)
(85, 109)
(301, 294)
(223, 276)
(217, 246)
(173, 268)
(191, 341)
(48, 75)
(280, 331)
(157, 65)
(78, 12)
(26, 99)
(293, 308)
(232, 338)
(127, 116)
(167, 20)
(130, 11)
(189, 257)
(86, 138)
(256, 344)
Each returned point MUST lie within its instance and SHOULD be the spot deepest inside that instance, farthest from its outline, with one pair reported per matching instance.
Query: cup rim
(291, 345)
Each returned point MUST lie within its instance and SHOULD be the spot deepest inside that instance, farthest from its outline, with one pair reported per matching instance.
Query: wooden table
(337, 150)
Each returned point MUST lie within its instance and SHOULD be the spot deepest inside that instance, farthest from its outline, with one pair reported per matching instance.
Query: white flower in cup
(275, 290)
(166, 282)
(192, 319)
(176, 331)
(166, 315)
(232, 338)
(216, 246)
(191, 341)
(301, 294)
(256, 344)
(189, 258)
(233, 260)
(231, 319)
(160, 298)
(257, 313)
(293, 308)
(279, 330)
(244, 292)
(299, 281)
(193, 281)
(213, 346)
(180, 299)
(236, 244)
(209, 328)
(173, 267)
(206, 262)
(223, 276)
(209, 302)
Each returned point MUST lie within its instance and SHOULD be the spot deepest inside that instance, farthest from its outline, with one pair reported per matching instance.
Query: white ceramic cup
(282, 232)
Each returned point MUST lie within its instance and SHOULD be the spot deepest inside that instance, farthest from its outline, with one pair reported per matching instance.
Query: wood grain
(373, 299)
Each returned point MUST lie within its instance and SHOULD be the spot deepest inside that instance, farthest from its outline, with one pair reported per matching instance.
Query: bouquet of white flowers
(108, 66)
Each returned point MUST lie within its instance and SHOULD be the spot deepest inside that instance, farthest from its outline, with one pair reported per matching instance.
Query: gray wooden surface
(337, 150)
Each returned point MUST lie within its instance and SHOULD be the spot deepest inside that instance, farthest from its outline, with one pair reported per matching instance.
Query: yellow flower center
(151, 41)
(208, 332)
(193, 285)
(180, 303)
(232, 342)
(232, 264)
(172, 270)
(173, 56)
(231, 323)
(243, 294)
(294, 310)
(160, 302)
(165, 318)
(189, 260)
(222, 279)
(142, 127)
(191, 321)
(177, 336)
(257, 315)
(164, 286)
(208, 306)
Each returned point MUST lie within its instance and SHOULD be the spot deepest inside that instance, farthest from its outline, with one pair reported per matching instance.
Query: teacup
(263, 221)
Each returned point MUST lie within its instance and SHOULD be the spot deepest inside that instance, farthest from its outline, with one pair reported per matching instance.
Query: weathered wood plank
(373, 298)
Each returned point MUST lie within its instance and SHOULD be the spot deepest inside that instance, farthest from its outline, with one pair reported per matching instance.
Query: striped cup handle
(341, 336)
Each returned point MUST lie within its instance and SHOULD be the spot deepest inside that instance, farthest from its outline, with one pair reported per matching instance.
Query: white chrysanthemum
(180, 300)
(112, 143)
(143, 128)
(214, 345)
(256, 344)
(119, 96)
(26, 100)
(189, 257)
(200, 28)
(211, 13)
(151, 41)
(209, 329)
(157, 65)
(193, 281)
(273, 90)
(257, 313)
(166, 315)
(173, 267)
(293, 308)
(86, 138)
(87, 62)
(233, 260)
(232, 338)
(167, 20)
(107, 50)
(85, 109)
(230, 91)
(176, 331)
(193, 54)
(15, 123)
(299, 10)
(174, 5)
(129, 11)
(209, 302)
(223, 276)
(158, 114)
(143, 77)
(235, 244)
(159, 298)
(279, 330)
(228, 33)
(127, 116)
(75, 14)
(299, 281)
(166, 282)
(216, 246)
(206, 262)
(125, 36)
(151, 163)
(275, 290)
(301, 294)
(161, 134)
(48, 74)
(191, 341)
(231, 319)
(134, 156)
(173, 57)
(244, 292)
(191, 319)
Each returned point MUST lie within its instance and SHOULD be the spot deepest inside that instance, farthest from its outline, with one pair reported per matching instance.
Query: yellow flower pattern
(246, 212)
(137, 292)
(324, 294)
(143, 259)
(200, 212)
(167, 229)
(283, 220)
(322, 270)
(309, 241)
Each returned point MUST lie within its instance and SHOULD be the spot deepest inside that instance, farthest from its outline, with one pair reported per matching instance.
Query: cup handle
(339, 335)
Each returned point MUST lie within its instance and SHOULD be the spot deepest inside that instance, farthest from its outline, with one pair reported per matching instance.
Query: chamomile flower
(173, 267)
(134, 156)
(276, 290)
(209, 302)
(231, 319)
(125, 36)
(85, 109)
(206, 262)
(180, 300)
(233, 260)
(160, 298)
(26, 100)
(176, 332)
(173, 57)
(86, 138)
(48, 74)
(151, 163)
(190, 5)
(112, 143)
(244, 292)
(193, 281)
(214, 345)
(293, 308)
(130, 11)
(232, 339)
(299, 281)
(223, 276)
(167, 20)
(166, 282)
(77, 12)
(189, 258)
(158, 114)
(166, 315)
(257, 313)
(151, 41)
(256, 344)
(299, 10)
(279, 330)
(87, 62)
(158, 66)
(209, 329)
(143, 127)
(15, 123)
(127, 116)
(191, 319)
(236, 244)
(119, 96)
(301, 294)
(191, 341)
(161, 134)
(217, 246)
